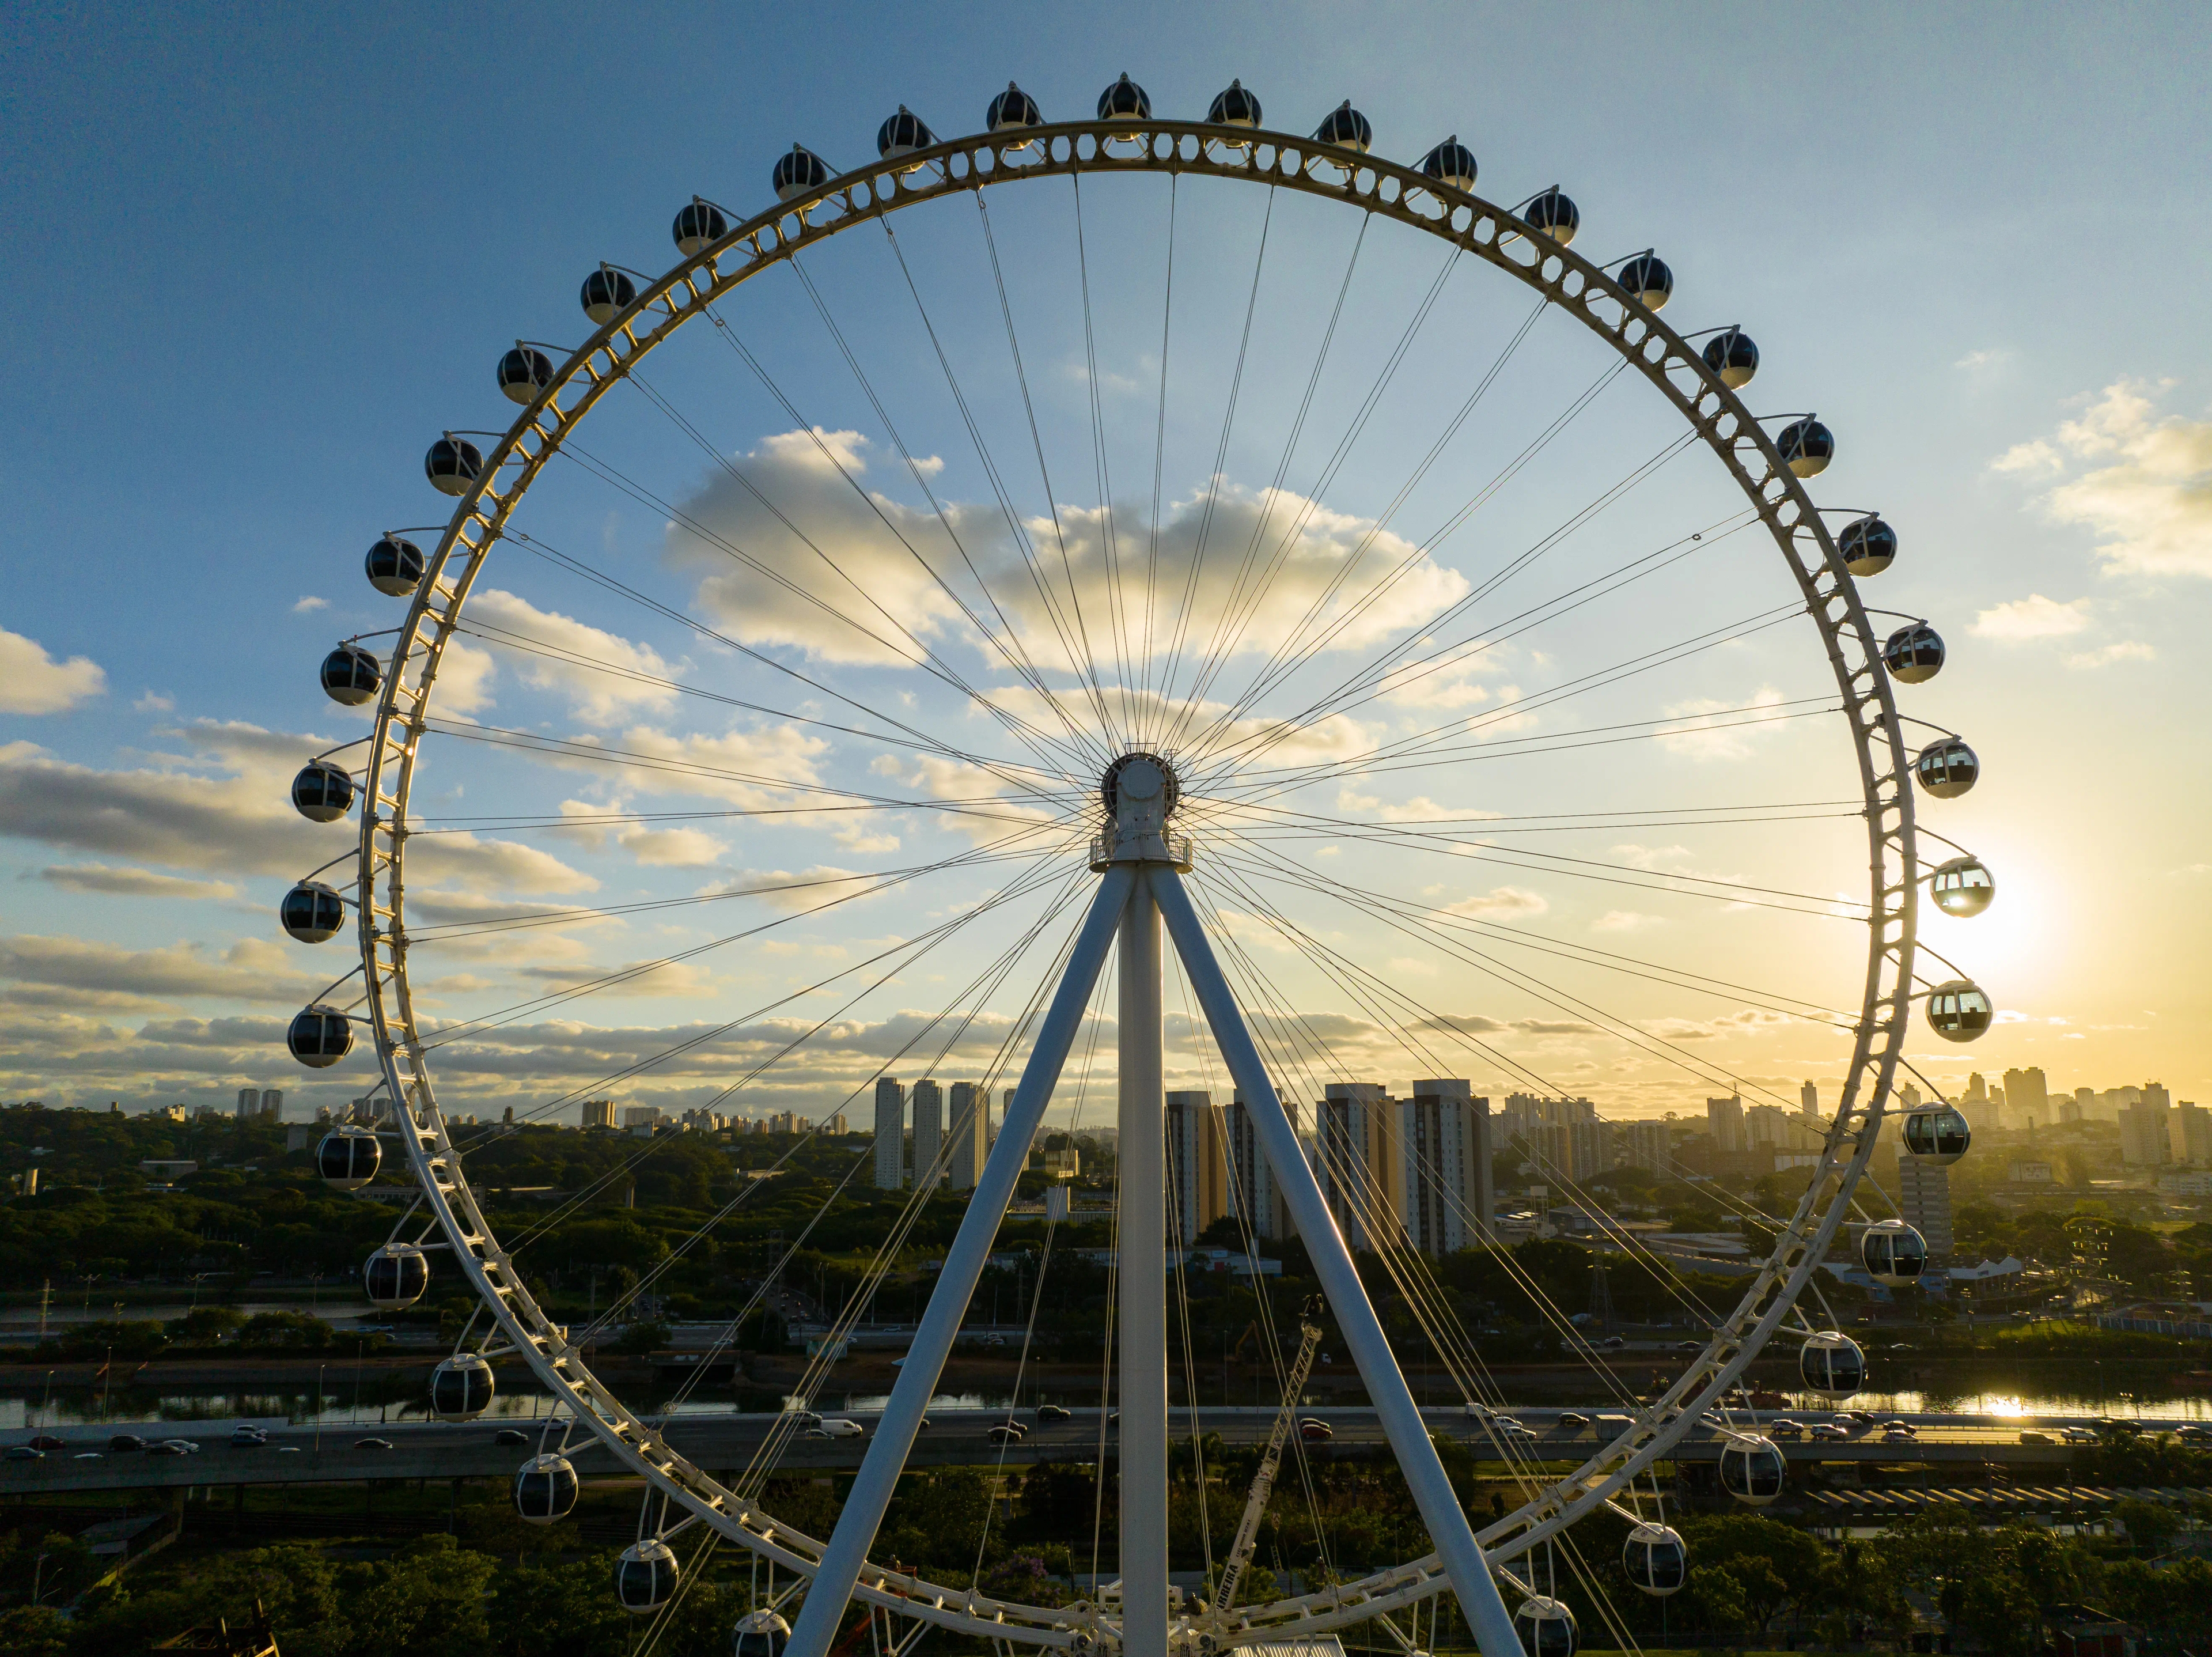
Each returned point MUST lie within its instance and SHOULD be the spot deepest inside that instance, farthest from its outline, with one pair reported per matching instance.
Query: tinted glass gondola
(1654, 1560)
(453, 464)
(1832, 1364)
(1555, 214)
(1547, 1628)
(1806, 446)
(311, 912)
(1124, 100)
(320, 1037)
(461, 1387)
(1450, 162)
(1893, 1253)
(1732, 356)
(395, 1276)
(606, 293)
(1236, 106)
(522, 373)
(347, 1158)
(322, 792)
(394, 567)
(645, 1576)
(1959, 1011)
(902, 134)
(1866, 545)
(1012, 110)
(1753, 1471)
(798, 171)
(1646, 277)
(1913, 654)
(1941, 1136)
(1962, 887)
(546, 1489)
(351, 675)
(759, 1633)
(699, 225)
(1346, 128)
(1946, 768)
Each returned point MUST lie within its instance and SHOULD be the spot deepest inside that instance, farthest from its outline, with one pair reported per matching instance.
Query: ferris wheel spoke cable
(1017, 531)
(1087, 662)
(907, 735)
(1010, 645)
(1109, 540)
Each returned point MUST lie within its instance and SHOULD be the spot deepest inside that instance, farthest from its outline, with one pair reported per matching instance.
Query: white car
(837, 1427)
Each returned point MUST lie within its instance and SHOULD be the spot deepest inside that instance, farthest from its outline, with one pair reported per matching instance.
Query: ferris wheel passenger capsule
(322, 792)
(798, 171)
(1733, 357)
(1547, 1627)
(1806, 446)
(545, 1489)
(1893, 1253)
(1913, 654)
(1753, 1469)
(461, 1387)
(1832, 1364)
(699, 225)
(759, 1633)
(1947, 768)
(1555, 214)
(1962, 888)
(311, 912)
(319, 1036)
(1866, 545)
(645, 1576)
(1124, 100)
(1236, 107)
(1450, 162)
(453, 464)
(1012, 110)
(351, 675)
(522, 373)
(606, 293)
(347, 1158)
(395, 1276)
(394, 567)
(1656, 1560)
(1647, 278)
(902, 134)
(1941, 1136)
(1346, 128)
(1959, 1011)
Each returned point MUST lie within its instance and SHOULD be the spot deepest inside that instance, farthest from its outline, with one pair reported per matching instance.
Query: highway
(304, 1454)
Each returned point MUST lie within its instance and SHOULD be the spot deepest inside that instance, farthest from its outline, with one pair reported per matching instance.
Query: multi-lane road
(296, 1454)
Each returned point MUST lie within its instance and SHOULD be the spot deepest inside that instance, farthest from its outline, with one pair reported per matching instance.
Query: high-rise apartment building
(249, 1104)
(1808, 1101)
(891, 1134)
(2027, 1097)
(1198, 1184)
(1724, 1120)
(1923, 1197)
(1444, 1132)
(1650, 1145)
(1251, 1188)
(1359, 1162)
(2189, 1134)
(1590, 1149)
(926, 1106)
(970, 1138)
(599, 1114)
(2146, 1141)
(272, 1103)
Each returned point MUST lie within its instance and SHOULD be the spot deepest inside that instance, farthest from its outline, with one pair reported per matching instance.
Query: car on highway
(2035, 1438)
(510, 1435)
(1314, 1430)
(1865, 1417)
(126, 1441)
(372, 1444)
(1689, 1346)
(46, 1441)
(87, 1455)
(1573, 1420)
(24, 1452)
(1054, 1412)
(2077, 1435)
(2192, 1432)
(248, 1437)
(1509, 1428)
(1904, 1427)
(1897, 1436)
(805, 1418)
(184, 1447)
(1782, 1427)
(837, 1427)
(1000, 1433)
(1613, 1343)
(164, 1447)
(1826, 1432)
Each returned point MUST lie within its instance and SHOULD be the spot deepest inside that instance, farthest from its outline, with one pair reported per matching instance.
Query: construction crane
(1263, 1482)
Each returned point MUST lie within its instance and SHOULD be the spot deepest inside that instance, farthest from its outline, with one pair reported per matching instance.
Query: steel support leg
(831, 1589)
(1142, 1245)
(1463, 1556)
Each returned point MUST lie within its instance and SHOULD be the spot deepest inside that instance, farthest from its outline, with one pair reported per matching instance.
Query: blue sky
(256, 265)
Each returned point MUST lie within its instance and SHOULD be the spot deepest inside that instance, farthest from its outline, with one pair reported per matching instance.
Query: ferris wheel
(1132, 739)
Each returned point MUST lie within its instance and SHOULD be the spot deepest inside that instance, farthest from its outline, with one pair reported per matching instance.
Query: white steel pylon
(1142, 890)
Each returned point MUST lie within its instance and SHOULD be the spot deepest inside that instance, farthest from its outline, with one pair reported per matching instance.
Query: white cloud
(1624, 920)
(1500, 902)
(2126, 649)
(33, 682)
(598, 697)
(1982, 361)
(863, 573)
(657, 848)
(252, 968)
(309, 605)
(122, 882)
(2032, 617)
(2148, 493)
(154, 702)
(1707, 730)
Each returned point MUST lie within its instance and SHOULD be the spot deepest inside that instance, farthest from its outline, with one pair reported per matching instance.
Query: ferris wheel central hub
(1141, 792)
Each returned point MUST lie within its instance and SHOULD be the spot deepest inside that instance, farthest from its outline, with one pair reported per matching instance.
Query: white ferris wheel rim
(1567, 282)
